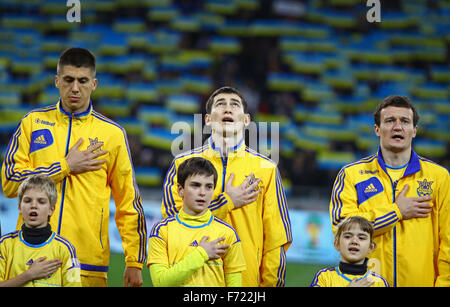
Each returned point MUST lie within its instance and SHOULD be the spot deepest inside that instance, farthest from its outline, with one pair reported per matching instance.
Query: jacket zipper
(63, 191)
(394, 187)
(101, 226)
(224, 171)
(394, 243)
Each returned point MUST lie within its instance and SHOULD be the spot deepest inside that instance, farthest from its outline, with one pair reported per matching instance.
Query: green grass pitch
(297, 274)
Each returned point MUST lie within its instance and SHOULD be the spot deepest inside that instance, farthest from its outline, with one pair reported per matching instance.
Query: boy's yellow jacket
(334, 277)
(39, 146)
(174, 246)
(413, 252)
(263, 226)
(16, 256)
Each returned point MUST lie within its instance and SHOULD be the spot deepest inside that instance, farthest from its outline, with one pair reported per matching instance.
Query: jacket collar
(80, 115)
(413, 164)
(194, 221)
(239, 148)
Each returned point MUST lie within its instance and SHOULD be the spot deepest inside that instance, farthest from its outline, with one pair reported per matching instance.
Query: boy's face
(354, 244)
(35, 208)
(196, 194)
(227, 115)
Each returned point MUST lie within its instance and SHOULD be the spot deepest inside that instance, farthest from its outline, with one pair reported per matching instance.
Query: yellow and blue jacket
(39, 146)
(174, 242)
(413, 252)
(263, 226)
(335, 277)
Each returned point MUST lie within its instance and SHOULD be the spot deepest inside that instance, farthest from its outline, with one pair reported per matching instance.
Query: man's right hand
(84, 161)
(242, 195)
(413, 207)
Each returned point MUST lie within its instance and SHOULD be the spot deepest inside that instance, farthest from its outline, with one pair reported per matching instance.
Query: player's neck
(36, 235)
(353, 268)
(396, 159)
(226, 143)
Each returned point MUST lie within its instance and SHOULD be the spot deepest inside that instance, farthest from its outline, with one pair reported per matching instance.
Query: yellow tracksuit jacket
(263, 226)
(39, 146)
(413, 252)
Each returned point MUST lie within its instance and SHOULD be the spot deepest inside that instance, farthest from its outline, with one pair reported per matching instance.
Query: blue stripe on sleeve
(337, 190)
(10, 152)
(282, 206)
(281, 274)
(71, 248)
(14, 145)
(339, 187)
(218, 202)
(229, 226)
(169, 204)
(385, 220)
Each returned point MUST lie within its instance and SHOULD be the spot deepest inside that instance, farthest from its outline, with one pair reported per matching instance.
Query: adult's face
(75, 86)
(227, 115)
(396, 129)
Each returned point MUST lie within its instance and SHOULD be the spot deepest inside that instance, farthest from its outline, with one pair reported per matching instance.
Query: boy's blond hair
(39, 182)
(365, 225)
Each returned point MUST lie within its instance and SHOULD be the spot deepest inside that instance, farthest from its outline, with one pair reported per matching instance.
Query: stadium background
(316, 67)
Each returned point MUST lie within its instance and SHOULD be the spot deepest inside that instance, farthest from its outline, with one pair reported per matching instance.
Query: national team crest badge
(252, 180)
(93, 142)
(424, 188)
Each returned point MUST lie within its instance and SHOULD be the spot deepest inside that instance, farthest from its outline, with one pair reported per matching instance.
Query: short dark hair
(78, 57)
(225, 90)
(195, 166)
(396, 101)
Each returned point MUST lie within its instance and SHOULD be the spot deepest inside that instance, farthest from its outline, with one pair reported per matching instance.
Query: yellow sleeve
(379, 284)
(319, 280)
(71, 272)
(2, 263)
(233, 279)
(130, 219)
(222, 206)
(273, 268)
(277, 232)
(343, 204)
(277, 224)
(17, 166)
(443, 204)
(234, 260)
(164, 276)
(70, 267)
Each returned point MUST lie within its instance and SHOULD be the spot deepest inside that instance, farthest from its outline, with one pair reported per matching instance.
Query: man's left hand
(132, 277)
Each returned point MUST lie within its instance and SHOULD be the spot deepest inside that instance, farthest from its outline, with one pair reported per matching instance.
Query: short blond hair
(39, 182)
